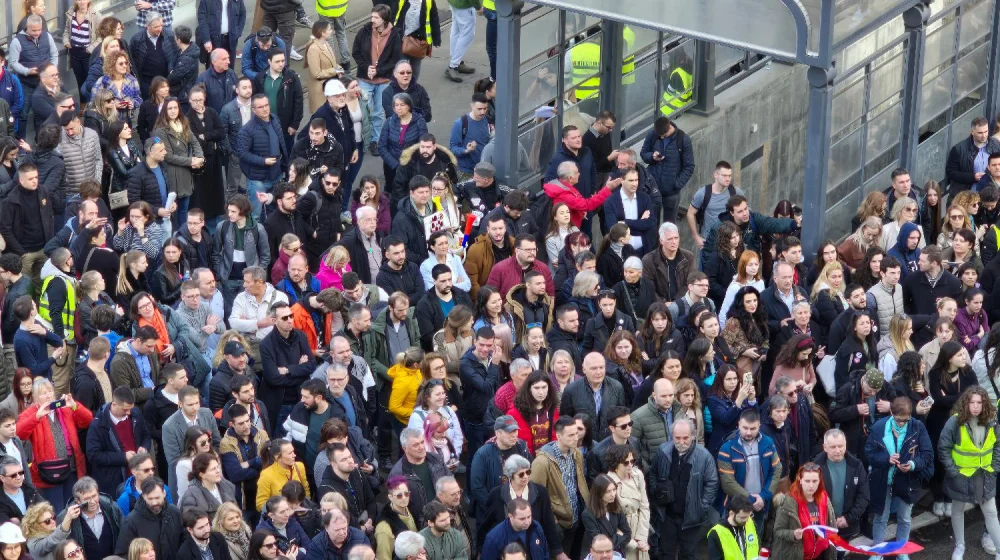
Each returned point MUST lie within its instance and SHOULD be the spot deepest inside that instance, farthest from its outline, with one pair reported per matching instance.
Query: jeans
(463, 32)
(903, 511)
(203, 386)
(22, 120)
(374, 94)
(181, 215)
(254, 187)
(340, 47)
(230, 289)
(491, 40)
(283, 413)
(61, 493)
(235, 180)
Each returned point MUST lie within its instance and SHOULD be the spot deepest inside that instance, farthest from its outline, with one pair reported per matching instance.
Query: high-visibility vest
(969, 458)
(731, 549)
(490, 5)
(331, 8)
(427, 20)
(628, 63)
(674, 100)
(585, 59)
(68, 312)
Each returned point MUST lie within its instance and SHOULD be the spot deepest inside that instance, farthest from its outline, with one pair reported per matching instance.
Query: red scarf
(812, 544)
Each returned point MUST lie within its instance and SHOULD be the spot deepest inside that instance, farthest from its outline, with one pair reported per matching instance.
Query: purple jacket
(967, 326)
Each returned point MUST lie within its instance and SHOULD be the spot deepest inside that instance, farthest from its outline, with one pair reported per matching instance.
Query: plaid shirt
(163, 7)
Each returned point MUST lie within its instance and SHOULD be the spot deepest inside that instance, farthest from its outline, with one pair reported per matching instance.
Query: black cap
(234, 348)
(264, 33)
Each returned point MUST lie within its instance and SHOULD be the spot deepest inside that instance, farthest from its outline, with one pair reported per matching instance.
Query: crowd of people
(219, 339)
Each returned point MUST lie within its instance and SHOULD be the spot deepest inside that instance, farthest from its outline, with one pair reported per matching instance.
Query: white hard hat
(11, 534)
(334, 87)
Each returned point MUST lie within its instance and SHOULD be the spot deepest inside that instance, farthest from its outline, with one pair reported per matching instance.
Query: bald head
(663, 394)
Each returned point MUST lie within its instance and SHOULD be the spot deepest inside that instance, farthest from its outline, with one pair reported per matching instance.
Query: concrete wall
(760, 129)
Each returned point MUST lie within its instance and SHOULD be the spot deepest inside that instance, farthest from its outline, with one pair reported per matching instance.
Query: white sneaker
(947, 509)
(987, 543)
(959, 552)
(938, 509)
(295, 54)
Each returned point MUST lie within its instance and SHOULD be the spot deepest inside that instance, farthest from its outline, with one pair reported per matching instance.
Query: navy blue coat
(252, 146)
(389, 146)
(219, 88)
(504, 534)
(614, 212)
(584, 162)
(487, 473)
(916, 447)
(676, 167)
(344, 137)
(210, 24)
(184, 74)
(138, 44)
(105, 455)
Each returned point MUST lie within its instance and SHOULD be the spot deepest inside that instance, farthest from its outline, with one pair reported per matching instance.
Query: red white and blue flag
(890, 548)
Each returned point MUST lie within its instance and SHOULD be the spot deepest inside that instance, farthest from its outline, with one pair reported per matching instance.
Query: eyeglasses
(524, 474)
(404, 73)
(626, 425)
(17, 474)
(956, 217)
(628, 462)
(284, 318)
(789, 395)
(269, 545)
(75, 553)
(331, 183)
(404, 494)
(48, 520)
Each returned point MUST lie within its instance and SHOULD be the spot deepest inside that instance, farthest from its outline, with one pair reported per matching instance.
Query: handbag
(55, 471)
(416, 48)
(118, 199)
(825, 371)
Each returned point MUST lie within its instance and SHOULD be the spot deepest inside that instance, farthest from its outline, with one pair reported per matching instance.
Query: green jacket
(460, 4)
(372, 353)
(379, 324)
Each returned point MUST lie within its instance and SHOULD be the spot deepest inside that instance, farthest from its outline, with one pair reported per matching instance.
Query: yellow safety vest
(331, 8)
(731, 549)
(675, 100)
(585, 59)
(969, 458)
(490, 5)
(427, 21)
(68, 312)
(628, 63)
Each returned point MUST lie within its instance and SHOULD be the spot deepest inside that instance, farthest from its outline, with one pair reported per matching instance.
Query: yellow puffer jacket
(402, 399)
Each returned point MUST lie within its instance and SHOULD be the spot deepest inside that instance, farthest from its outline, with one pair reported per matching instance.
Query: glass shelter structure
(890, 83)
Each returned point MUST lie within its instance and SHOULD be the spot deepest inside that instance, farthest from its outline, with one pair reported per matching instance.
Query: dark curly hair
(617, 455)
(525, 403)
(754, 325)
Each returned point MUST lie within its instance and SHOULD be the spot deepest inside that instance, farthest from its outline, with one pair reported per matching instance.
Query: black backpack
(706, 197)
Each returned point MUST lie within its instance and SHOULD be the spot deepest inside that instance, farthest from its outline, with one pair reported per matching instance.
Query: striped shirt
(79, 33)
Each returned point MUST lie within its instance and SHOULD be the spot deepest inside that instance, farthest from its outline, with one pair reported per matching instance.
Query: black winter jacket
(210, 23)
(958, 169)
(12, 217)
(596, 332)
(137, 46)
(142, 185)
(359, 256)
(105, 453)
(275, 352)
(409, 226)
(164, 529)
(558, 339)
(86, 389)
(52, 176)
(919, 298)
(856, 492)
(344, 135)
(579, 397)
(430, 318)
(479, 384)
(675, 169)
(330, 153)
(391, 54)
(216, 545)
(407, 280)
(289, 110)
(636, 308)
(421, 100)
(844, 413)
(219, 88)
(9, 510)
(184, 72)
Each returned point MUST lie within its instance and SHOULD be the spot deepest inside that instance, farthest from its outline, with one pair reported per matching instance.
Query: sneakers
(987, 543)
(947, 509)
(345, 217)
(938, 509)
(959, 552)
(295, 54)
(304, 21)
(452, 74)
(464, 69)
(373, 149)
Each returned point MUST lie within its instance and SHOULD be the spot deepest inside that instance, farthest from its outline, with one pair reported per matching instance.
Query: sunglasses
(524, 474)
(75, 553)
(269, 545)
(811, 467)
(48, 520)
(17, 474)
(625, 426)
(404, 494)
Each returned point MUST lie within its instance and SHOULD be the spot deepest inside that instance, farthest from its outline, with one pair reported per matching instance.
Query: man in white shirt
(251, 314)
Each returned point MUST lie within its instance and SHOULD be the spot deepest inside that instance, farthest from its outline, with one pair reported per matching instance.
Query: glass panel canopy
(765, 26)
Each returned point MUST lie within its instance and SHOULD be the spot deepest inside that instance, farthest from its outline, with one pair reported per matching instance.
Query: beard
(426, 157)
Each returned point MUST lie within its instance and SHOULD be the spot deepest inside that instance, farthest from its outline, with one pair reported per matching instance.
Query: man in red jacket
(564, 190)
(510, 271)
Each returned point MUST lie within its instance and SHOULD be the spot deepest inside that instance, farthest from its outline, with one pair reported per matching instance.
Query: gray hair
(257, 273)
(563, 354)
(442, 482)
(667, 227)
(776, 402)
(365, 211)
(567, 169)
(341, 367)
(801, 303)
(832, 433)
(632, 158)
(408, 544)
(401, 62)
(584, 282)
(513, 464)
(407, 434)
(152, 17)
(38, 384)
(519, 364)
(633, 263)
(82, 486)
(8, 461)
(360, 552)
(403, 98)
(216, 53)
(34, 19)
(196, 273)
(680, 421)
(782, 382)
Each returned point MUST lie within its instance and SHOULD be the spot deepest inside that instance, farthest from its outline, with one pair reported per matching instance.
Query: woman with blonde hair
(229, 523)
(336, 263)
(956, 219)
(184, 155)
(853, 249)
(121, 83)
(40, 528)
(131, 277)
(891, 347)
(828, 294)
(969, 201)
(443, 191)
(689, 396)
(873, 206)
(101, 113)
(903, 210)
(434, 368)
(142, 549)
(748, 273)
(455, 337)
(406, 378)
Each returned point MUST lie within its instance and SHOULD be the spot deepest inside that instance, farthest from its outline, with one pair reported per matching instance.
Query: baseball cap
(234, 348)
(264, 33)
(505, 423)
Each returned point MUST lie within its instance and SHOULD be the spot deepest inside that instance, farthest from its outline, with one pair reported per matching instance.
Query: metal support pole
(704, 79)
(818, 129)
(612, 53)
(508, 74)
(915, 20)
(993, 69)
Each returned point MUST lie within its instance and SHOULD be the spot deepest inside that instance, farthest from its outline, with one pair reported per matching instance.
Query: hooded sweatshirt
(900, 251)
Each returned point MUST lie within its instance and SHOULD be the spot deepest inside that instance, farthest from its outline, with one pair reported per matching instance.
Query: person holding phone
(55, 468)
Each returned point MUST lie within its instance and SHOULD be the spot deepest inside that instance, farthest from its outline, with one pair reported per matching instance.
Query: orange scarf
(160, 325)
